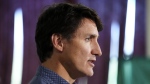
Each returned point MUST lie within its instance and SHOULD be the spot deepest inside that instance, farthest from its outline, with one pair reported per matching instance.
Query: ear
(57, 42)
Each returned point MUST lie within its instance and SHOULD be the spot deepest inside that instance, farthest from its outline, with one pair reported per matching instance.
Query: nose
(96, 50)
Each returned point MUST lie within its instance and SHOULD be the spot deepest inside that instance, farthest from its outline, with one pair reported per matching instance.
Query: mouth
(91, 62)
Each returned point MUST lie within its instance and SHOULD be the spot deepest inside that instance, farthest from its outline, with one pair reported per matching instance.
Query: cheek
(79, 53)
(85, 50)
(82, 54)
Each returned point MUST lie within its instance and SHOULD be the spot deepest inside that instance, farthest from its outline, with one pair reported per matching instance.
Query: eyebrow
(93, 35)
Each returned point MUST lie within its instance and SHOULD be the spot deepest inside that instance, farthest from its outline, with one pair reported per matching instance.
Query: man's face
(80, 52)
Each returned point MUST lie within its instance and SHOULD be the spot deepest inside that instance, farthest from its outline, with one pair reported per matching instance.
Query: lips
(91, 62)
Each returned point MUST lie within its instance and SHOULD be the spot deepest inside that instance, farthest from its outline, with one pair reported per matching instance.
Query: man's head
(61, 19)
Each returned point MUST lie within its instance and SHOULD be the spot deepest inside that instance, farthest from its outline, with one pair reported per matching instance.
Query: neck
(54, 64)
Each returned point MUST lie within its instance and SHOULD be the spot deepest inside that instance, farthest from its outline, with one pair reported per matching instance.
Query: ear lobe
(57, 42)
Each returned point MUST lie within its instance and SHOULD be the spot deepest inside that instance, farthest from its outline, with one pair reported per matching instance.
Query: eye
(87, 39)
(90, 38)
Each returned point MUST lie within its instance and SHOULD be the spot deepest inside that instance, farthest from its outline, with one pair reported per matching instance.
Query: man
(66, 39)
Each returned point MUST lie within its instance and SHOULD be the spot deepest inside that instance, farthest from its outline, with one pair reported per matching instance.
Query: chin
(90, 73)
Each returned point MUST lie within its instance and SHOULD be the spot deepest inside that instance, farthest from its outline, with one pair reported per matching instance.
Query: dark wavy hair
(63, 19)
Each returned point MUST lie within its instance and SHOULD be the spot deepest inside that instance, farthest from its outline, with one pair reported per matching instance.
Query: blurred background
(125, 41)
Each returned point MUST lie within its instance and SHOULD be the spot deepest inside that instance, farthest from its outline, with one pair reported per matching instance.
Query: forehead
(86, 27)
